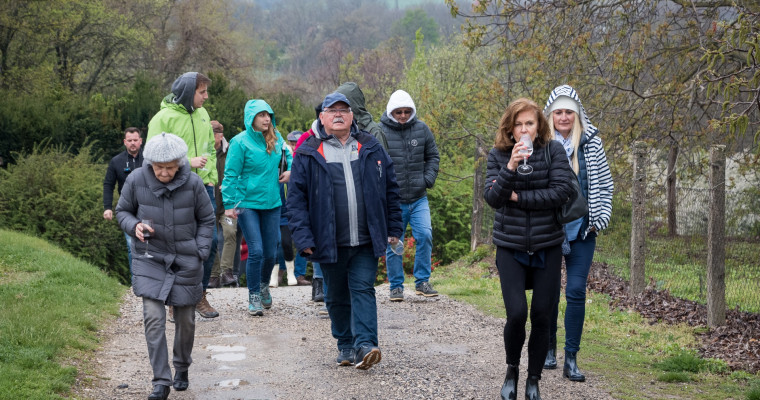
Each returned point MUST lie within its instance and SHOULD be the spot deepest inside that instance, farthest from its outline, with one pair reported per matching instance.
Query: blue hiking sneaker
(367, 356)
(266, 297)
(345, 357)
(254, 305)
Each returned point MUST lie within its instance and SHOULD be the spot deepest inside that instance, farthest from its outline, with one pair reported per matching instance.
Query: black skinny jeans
(545, 283)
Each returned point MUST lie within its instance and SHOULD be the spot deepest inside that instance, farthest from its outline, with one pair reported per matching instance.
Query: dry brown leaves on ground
(737, 343)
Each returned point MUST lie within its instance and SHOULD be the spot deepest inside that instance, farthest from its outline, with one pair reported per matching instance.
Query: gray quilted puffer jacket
(183, 219)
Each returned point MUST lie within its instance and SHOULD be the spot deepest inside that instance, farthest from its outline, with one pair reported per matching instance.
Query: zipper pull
(380, 168)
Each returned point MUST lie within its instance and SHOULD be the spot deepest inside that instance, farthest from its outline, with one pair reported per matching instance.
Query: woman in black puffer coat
(527, 234)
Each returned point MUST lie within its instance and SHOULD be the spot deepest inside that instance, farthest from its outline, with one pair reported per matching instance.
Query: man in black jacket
(415, 157)
(118, 170)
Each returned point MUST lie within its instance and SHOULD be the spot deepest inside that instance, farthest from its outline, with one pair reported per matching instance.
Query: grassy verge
(52, 306)
(634, 359)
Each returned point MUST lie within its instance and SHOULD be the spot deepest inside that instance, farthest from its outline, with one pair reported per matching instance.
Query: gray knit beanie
(165, 148)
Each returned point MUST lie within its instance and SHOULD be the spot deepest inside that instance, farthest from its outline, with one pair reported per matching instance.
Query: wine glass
(208, 149)
(526, 169)
(147, 235)
(398, 248)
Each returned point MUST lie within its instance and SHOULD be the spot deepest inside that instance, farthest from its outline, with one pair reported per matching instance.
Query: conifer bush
(57, 196)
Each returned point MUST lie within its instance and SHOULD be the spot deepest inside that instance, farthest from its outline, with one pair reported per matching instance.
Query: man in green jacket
(182, 114)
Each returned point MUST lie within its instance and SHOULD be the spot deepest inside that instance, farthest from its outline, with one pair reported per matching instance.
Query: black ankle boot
(531, 388)
(571, 371)
(509, 388)
(160, 392)
(317, 289)
(181, 381)
(551, 355)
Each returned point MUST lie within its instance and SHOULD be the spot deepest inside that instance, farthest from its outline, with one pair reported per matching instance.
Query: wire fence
(679, 262)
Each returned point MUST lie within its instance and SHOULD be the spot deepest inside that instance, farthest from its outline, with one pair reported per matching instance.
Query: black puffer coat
(183, 219)
(530, 223)
(412, 148)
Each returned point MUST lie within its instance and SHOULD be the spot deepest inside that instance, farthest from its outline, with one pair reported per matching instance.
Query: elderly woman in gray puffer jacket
(166, 192)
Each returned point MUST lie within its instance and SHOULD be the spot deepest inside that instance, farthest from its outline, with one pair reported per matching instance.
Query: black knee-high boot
(509, 388)
(531, 388)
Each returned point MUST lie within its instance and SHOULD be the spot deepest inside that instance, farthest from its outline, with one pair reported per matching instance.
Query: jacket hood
(565, 93)
(400, 99)
(183, 90)
(253, 107)
(355, 97)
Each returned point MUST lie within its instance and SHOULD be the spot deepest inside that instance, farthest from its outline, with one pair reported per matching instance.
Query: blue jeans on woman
(261, 229)
(417, 215)
(577, 264)
(350, 299)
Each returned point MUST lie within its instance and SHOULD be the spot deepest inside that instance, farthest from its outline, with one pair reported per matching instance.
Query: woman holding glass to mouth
(526, 233)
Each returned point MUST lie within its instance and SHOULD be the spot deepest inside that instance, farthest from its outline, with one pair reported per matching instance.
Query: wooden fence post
(638, 218)
(716, 235)
(671, 181)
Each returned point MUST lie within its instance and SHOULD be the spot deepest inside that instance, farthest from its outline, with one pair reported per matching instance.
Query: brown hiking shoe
(205, 309)
(213, 282)
(302, 281)
(227, 278)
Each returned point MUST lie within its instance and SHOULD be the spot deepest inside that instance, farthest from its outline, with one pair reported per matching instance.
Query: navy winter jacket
(311, 207)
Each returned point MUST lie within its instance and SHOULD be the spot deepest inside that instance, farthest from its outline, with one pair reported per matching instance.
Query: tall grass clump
(52, 307)
(57, 196)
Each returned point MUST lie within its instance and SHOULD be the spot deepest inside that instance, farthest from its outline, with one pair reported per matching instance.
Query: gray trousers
(154, 319)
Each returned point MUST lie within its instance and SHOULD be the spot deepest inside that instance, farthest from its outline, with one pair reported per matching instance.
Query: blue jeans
(350, 296)
(417, 215)
(129, 255)
(208, 265)
(261, 228)
(578, 264)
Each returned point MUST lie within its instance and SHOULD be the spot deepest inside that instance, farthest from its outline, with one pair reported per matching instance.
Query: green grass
(52, 306)
(619, 348)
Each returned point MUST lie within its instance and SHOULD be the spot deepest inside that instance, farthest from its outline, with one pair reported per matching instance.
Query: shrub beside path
(432, 348)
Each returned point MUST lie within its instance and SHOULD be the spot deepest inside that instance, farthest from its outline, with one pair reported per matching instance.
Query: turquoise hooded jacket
(251, 174)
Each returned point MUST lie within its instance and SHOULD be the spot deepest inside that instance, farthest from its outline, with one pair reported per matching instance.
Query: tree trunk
(671, 189)
(478, 204)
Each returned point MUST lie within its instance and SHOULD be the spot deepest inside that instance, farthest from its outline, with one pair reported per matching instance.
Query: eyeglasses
(337, 111)
(402, 112)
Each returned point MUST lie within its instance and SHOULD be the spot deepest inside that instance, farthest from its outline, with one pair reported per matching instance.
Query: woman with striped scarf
(572, 128)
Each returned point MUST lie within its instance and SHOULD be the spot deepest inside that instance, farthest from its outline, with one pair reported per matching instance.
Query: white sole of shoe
(370, 359)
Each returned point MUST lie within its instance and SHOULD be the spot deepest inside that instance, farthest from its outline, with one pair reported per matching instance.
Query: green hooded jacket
(251, 174)
(193, 127)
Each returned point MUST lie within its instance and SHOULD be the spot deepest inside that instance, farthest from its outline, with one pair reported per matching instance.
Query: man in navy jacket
(343, 210)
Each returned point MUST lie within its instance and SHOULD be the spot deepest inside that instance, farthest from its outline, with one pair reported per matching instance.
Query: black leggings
(545, 282)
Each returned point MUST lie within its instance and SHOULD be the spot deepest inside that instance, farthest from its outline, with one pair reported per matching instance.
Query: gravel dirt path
(432, 348)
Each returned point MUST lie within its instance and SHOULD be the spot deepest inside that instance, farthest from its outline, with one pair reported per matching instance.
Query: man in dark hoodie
(343, 209)
(182, 114)
(362, 117)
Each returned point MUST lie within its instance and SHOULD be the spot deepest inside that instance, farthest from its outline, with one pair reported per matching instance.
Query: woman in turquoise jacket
(251, 192)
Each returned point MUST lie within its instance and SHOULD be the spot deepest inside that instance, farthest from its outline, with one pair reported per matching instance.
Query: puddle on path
(232, 383)
(225, 349)
(229, 356)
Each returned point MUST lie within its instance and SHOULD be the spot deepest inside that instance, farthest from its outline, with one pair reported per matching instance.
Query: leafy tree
(646, 70)
(414, 20)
